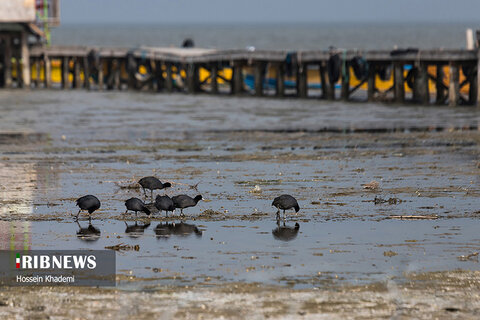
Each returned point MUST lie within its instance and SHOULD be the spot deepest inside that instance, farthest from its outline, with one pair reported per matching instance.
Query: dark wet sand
(446, 295)
(352, 256)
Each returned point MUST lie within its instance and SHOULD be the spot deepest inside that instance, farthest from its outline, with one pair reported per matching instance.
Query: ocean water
(270, 36)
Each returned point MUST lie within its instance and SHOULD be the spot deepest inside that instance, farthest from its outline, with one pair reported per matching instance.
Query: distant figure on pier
(188, 43)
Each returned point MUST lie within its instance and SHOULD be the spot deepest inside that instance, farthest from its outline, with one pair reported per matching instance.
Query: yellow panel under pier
(226, 73)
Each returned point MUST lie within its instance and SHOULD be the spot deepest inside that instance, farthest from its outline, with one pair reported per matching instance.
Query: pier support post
(117, 83)
(113, 74)
(323, 80)
(158, 75)
(132, 68)
(331, 86)
(65, 80)
(152, 85)
(331, 89)
(25, 58)
(18, 72)
(47, 70)
(259, 78)
(439, 86)
(399, 86)
(213, 78)
(421, 84)
(280, 81)
(169, 79)
(100, 74)
(38, 68)
(472, 92)
(7, 62)
(454, 85)
(109, 74)
(192, 78)
(372, 73)
(86, 73)
(302, 89)
(237, 78)
(345, 80)
(76, 74)
(478, 74)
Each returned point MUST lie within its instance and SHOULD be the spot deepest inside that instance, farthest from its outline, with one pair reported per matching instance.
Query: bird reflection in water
(89, 233)
(136, 230)
(165, 230)
(285, 233)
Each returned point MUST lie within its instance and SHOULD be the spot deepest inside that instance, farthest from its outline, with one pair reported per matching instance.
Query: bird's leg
(76, 217)
(166, 213)
(89, 218)
(284, 216)
(144, 192)
(126, 211)
(278, 214)
(181, 213)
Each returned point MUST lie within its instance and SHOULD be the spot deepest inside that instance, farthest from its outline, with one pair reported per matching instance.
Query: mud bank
(443, 295)
(388, 195)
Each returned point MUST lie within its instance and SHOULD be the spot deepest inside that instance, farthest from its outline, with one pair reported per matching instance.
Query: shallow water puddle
(188, 253)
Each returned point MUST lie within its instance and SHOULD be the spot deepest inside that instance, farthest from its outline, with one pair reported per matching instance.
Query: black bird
(164, 203)
(89, 233)
(183, 201)
(285, 233)
(152, 183)
(136, 230)
(89, 203)
(285, 202)
(135, 204)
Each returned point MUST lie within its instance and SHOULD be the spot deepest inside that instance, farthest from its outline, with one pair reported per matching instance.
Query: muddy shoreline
(441, 295)
(388, 195)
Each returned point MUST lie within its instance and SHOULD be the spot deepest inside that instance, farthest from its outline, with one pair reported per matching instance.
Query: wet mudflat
(388, 198)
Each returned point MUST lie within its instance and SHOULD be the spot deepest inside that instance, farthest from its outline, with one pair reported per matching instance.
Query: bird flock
(91, 203)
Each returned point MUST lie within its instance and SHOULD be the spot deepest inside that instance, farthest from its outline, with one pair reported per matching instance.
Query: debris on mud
(123, 247)
(379, 200)
(415, 217)
(372, 185)
(210, 212)
(256, 189)
(190, 186)
(389, 253)
(129, 184)
(471, 256)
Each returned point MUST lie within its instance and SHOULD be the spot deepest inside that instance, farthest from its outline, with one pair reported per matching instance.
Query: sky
(267, 11)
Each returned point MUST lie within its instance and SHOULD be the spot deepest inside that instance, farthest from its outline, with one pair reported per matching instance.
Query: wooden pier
(194, 70)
